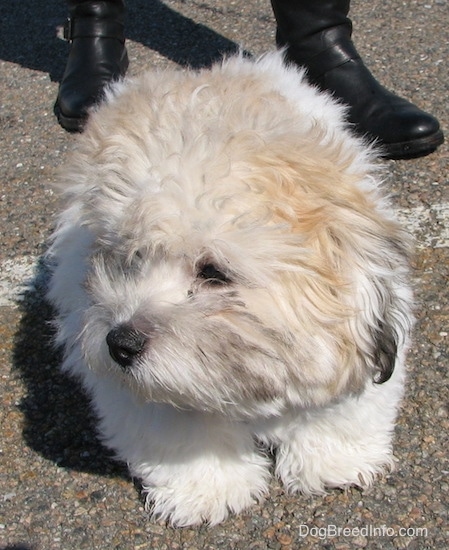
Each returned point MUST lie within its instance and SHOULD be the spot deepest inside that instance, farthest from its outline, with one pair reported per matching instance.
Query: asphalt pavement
(59, 488)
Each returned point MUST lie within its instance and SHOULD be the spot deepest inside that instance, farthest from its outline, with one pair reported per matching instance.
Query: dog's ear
(385, 347)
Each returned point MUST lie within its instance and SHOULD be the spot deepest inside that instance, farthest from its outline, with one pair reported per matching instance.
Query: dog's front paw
(313, 472)
(205, 492)
(347, 444)
(310, 463)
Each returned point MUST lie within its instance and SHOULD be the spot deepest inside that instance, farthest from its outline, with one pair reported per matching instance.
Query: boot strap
(334, 56)
(93, 27)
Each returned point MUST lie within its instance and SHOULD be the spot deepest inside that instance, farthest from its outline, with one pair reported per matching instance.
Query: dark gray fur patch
(385, 352)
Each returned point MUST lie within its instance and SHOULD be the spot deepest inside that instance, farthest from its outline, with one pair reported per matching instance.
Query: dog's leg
(348, 443)
(194, 467)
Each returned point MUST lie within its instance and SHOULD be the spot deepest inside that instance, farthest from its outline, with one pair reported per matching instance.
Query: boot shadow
(174, 36)
(149, 22)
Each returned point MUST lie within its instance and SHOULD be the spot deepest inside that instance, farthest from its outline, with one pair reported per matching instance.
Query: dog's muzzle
(125, 344)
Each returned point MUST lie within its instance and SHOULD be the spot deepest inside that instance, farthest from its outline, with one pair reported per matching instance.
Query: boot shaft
(90, 18)
(101, 9)
(311, 26)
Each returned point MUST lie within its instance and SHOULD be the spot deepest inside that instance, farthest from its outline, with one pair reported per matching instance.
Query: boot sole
(412, 149)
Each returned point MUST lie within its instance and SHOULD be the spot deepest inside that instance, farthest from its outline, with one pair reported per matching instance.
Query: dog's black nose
(125, 344)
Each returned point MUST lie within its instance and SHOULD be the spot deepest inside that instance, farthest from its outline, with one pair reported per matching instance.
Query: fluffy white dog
(228, 278)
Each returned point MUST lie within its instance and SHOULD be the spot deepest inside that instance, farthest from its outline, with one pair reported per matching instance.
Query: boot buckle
(92, 27)
(68, 30)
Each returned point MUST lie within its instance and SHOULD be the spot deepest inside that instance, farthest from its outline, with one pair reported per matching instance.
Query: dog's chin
(208, 403)
(149, 382)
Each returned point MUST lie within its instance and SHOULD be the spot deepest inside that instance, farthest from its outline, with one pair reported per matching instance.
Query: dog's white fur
(230, 218)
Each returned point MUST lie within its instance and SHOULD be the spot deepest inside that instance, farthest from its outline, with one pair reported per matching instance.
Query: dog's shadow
(58, 420)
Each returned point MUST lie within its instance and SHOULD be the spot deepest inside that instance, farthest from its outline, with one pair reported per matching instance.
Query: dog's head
(235, 266)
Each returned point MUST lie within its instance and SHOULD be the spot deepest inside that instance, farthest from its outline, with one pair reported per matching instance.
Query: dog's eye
(138, 257)
(211, 274)
(133, 260)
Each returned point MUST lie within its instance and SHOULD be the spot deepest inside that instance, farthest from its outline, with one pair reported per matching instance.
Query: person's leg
(317, 35)
(97, 56)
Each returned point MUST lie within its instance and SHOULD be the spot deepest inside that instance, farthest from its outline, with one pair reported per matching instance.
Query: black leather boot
(317, 35)
(97, 57)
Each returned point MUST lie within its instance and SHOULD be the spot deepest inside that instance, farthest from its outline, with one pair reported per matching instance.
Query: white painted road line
(15, 278)
(429, 226)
